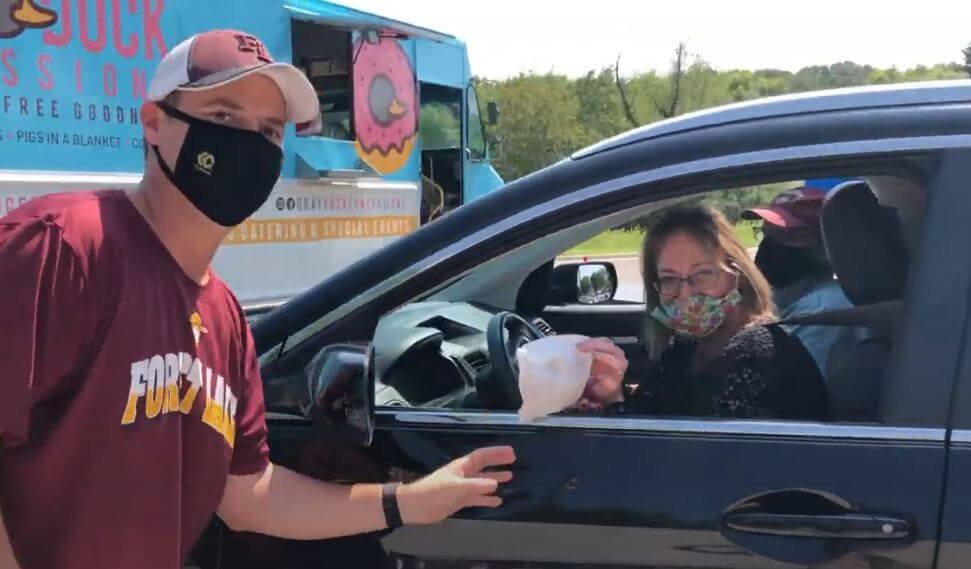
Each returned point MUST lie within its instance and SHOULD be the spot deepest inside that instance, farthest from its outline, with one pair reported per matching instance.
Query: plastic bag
(552, 375)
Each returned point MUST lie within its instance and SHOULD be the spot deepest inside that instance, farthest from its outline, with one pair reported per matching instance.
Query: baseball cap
(798, 208)
(219, 57)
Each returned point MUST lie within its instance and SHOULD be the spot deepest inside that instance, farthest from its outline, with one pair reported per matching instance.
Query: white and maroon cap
(215, 58)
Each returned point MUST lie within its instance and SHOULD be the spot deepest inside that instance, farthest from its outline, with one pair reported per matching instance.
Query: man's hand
(459, 484)
(282, 503)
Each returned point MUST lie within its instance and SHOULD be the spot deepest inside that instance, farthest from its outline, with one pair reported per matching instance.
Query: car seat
(867, 247)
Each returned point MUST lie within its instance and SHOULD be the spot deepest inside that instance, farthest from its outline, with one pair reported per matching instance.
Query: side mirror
(584, 283)
(493, 145)
(341, 385)
(492, 109)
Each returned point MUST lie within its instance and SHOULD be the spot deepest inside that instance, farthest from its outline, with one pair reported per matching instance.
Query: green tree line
(546, 117)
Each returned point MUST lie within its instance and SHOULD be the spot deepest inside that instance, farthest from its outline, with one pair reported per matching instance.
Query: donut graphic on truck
(385, 104)
(18, 15)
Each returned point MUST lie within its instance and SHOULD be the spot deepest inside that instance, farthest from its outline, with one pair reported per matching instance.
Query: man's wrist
(411, 505)
(390, 505)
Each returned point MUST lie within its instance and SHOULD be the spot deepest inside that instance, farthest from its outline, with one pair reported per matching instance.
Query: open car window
(433, 353)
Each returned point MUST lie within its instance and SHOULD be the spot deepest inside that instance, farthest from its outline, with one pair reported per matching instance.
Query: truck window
(477, 142)
(440, 121)
(324, 54)
(440, 133)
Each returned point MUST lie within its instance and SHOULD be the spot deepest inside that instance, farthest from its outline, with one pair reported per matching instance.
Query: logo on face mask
(205, 162)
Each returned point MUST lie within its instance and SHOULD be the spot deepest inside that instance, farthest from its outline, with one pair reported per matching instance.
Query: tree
(440, 127)
(598, 280)
(624, 98)
(600, 108)
(669, 107)
(547, 117)
(586, 287)
(539, 124)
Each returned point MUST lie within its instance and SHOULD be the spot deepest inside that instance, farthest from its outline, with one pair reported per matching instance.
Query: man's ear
(150, 116)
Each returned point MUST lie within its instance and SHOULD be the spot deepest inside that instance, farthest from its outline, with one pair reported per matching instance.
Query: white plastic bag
(552, 375)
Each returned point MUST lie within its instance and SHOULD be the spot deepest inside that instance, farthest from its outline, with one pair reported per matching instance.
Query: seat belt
(882, 316)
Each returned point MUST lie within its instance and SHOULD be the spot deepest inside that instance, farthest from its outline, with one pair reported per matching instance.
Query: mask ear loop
(177, 115)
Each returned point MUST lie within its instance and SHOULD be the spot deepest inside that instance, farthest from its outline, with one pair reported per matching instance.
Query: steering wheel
(499, 387)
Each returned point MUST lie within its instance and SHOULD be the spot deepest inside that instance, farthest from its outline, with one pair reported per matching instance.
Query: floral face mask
(702, 315)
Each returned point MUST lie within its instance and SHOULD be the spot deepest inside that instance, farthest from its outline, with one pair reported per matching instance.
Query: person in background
(794, 261)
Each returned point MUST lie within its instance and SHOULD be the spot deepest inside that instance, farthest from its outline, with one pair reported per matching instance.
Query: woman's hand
(606, 373)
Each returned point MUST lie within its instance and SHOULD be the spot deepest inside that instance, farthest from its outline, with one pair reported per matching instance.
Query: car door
(596, 491)
(956, 518)
(615, 491)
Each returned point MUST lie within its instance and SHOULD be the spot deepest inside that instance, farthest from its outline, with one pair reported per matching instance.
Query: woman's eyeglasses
(700, 281)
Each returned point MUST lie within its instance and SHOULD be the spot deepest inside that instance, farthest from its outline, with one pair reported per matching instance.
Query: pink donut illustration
(385, 104)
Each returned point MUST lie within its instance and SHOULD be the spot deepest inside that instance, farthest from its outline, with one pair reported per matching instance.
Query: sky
(506, 37)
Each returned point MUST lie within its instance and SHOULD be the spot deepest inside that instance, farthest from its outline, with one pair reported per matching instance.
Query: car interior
(455, 347)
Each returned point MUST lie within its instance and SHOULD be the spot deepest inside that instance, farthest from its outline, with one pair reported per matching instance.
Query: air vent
(477, 360)
(544, 327)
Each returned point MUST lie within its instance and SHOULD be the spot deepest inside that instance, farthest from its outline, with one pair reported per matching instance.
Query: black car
(406, 359)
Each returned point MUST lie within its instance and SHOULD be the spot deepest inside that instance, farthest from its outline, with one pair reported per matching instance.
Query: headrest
(866, 244)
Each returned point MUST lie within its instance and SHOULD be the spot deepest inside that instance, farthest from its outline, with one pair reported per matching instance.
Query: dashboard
(429, 354)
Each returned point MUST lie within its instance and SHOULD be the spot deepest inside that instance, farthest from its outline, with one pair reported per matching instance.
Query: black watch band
(389, 502)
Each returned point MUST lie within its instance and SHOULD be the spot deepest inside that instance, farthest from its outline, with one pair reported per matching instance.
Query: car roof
(845, 99)
(822, 117)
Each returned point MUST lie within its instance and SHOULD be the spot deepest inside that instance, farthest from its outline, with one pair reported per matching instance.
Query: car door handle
(828, 526)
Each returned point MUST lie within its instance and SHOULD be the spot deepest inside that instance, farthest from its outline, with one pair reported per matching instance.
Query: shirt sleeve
(251, 453)
(45, 319)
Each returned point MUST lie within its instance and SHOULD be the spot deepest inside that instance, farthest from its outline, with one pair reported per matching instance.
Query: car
(406, 359)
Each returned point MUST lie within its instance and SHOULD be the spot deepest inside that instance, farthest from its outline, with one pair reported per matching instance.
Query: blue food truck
(399, 141)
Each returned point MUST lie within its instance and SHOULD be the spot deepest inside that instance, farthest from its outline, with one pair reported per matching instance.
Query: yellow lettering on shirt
(229, 418)
(192, 370)
(135, 391)
(170, 383)
(213, 415)
(172, 372)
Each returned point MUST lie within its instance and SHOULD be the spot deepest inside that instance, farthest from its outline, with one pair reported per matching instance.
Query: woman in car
(713, 346)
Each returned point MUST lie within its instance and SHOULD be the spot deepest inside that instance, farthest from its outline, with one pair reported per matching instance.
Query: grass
(614, 242)
(745, 231)
(617, 242)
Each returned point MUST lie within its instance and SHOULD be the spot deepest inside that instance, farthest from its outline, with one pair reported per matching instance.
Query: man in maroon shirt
(131, 407)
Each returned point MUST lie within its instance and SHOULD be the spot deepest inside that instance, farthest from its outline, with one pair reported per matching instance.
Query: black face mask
(783, 265)
(226, 172)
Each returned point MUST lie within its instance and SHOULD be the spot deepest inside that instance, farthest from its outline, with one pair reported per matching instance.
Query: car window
(621, 245)
(442, 354)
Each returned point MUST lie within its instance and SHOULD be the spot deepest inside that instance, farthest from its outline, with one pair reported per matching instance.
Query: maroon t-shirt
(128, 392)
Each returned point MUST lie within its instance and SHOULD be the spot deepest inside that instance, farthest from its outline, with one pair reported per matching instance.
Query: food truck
(400, 139)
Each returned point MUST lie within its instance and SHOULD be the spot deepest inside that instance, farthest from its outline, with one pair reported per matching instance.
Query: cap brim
(299, 94)
(775, 217)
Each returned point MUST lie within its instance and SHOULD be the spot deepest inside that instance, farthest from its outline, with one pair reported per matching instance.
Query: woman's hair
(710, 228)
